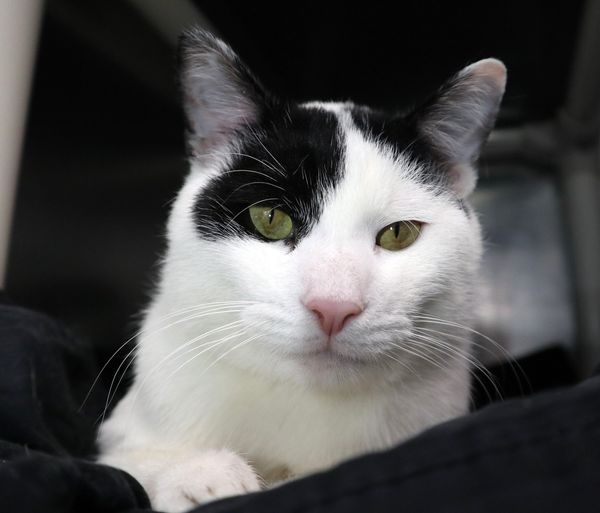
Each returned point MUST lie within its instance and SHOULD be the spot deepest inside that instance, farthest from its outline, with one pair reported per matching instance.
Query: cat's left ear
(457, 121)
(221, 97)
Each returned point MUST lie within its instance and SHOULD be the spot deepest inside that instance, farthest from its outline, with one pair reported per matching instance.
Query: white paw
(201, 478)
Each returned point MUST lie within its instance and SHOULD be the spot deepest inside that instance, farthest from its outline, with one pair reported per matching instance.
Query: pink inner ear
(458, 121)
(463, 179)
(490, 68)
(221, 97)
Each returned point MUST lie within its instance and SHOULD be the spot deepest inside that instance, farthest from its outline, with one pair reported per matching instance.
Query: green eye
(272, 223)
(398, 235)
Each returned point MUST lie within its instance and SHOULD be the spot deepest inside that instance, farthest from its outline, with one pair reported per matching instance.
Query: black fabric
(540, 453)
(45, 441)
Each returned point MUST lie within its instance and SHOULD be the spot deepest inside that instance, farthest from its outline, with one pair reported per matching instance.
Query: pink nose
(333, 315)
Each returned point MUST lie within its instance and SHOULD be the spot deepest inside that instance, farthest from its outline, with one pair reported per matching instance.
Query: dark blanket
(535, 454)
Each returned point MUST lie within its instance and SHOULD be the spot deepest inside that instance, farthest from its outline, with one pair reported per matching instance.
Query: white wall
(19, 27)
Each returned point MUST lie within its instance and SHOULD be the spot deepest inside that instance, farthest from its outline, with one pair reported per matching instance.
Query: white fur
(287, 408)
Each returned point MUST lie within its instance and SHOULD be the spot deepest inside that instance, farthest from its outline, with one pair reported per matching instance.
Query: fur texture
(234, 378)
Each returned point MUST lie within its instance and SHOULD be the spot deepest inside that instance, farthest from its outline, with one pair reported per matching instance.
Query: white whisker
(265, 200)
(253, 183)
(252, 171)
(211, 345)
(418, 354)
(243, 343)
(146, 330)
(172, 353)
(514, 365)
(153, 333)
(404, 364)
(281, 167)
(456, 353)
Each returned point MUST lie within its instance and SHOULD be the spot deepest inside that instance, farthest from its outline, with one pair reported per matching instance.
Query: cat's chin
(331, 357)
(329, 367)
(328, 371)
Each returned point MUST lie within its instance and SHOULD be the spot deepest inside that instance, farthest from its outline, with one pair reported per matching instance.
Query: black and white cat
(321, 264)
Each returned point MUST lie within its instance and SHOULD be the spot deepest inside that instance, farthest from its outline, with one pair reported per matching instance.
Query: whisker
(253, 171)
(437, 320)
(512, 362)
(404, 364)
(179, 348)
(147, 329)
(254, 325)
(265, 200)
(454, 352)
(211, 345)
(300, 165)
(413, 228)
(230, 325)
(467, 340)
(268, 165)
(471, 372)
(239, 154)
(281, 167)
(253, 183)
(243, 343)
(436, 362)
(152, 333)
(418, 354)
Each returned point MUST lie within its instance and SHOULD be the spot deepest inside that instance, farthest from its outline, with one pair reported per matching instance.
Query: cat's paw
(201, 478)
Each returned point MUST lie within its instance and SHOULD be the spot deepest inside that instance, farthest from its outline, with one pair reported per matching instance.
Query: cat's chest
(287, 430)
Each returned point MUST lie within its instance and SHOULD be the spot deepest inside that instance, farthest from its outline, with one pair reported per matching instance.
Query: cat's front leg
(179, 480)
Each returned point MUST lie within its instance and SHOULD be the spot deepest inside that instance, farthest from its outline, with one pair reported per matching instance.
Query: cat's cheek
(406, 280)
(241, 259)
(262, 270)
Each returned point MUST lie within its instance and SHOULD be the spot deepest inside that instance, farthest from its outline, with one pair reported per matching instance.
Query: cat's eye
(398, 235)
(271, 222)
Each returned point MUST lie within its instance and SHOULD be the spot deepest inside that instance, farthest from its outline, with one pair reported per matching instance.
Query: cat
(322, 262)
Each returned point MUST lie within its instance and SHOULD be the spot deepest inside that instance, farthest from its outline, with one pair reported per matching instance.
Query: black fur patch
(291, 160)
(399, 132)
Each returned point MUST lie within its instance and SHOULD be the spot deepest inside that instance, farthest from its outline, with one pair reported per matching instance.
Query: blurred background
(92, 153)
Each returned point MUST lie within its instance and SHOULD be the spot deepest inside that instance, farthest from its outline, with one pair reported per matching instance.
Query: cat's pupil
(396, 228)
(270, 216)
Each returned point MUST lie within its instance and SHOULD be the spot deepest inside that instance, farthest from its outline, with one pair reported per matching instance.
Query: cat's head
(321, 233)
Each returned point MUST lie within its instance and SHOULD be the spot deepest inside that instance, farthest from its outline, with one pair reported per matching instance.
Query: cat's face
(326, 230)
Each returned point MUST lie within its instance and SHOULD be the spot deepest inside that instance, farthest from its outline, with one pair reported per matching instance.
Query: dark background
(104, 152)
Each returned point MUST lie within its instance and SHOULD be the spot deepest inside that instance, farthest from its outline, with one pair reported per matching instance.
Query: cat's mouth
(332, 356)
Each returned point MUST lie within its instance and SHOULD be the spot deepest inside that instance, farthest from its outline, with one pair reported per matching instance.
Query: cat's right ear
(221, 97)
(458, 119)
